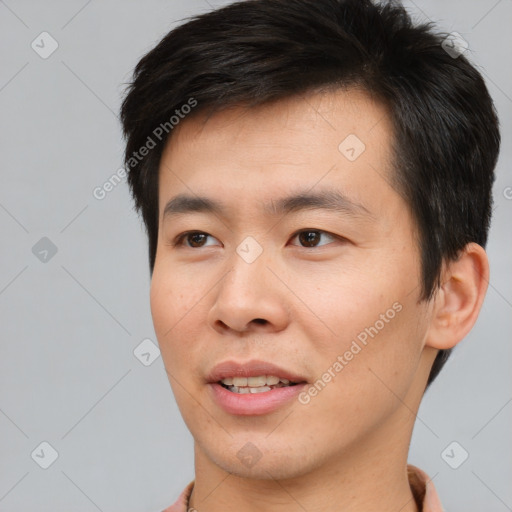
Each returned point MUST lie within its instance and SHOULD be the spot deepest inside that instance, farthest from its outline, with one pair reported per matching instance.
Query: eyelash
(178, 241)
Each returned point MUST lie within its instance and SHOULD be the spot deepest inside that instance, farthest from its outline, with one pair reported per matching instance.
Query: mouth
(251, 377)
(258, 384)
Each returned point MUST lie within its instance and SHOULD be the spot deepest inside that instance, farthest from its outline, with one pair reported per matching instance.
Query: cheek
(390, 356)
(173, 319)
(179, 313)
(169, 309)
(346, 305)
(371, 380)
(172, 299)
(162, 303)
(375, 334)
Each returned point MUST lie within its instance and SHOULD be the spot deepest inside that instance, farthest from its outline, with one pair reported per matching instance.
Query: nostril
(260, 321)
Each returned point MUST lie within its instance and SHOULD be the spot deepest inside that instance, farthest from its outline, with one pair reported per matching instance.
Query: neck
(369, 476)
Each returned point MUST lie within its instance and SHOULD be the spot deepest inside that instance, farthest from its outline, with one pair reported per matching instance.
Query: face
(324, 285)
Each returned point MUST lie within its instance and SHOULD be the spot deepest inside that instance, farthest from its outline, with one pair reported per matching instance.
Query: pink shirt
(422, 488)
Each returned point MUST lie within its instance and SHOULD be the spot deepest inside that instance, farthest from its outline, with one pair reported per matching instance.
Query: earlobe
(458, 301)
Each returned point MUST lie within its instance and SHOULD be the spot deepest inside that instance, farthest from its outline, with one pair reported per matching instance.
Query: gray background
(69, 326)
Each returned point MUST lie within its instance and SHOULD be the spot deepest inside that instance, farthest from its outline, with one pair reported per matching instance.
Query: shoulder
(423, 490)
(180, 505)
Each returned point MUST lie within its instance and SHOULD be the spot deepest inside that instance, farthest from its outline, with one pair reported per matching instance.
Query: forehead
(339, 139)
(338, 111)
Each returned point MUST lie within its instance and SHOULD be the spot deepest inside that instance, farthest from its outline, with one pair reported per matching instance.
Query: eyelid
(322, 231)
(178, 241)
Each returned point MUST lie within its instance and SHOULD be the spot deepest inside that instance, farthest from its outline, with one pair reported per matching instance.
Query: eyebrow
(324, 200)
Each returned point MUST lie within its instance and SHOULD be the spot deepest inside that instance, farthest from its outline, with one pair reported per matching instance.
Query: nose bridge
(249, 291)
(247, 279)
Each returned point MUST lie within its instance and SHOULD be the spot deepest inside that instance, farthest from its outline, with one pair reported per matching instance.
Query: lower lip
(254, 403)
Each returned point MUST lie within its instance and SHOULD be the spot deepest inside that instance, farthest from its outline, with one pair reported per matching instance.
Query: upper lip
(252, 368)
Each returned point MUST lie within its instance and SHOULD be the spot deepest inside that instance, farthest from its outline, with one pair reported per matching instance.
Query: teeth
(254, 382)
(262, 389)
(254, 389)
(247, 390)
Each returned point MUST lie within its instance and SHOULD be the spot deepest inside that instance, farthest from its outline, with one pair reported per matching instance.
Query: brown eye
(313, 237)
(193, 239)
(196, 239)
(309, 238)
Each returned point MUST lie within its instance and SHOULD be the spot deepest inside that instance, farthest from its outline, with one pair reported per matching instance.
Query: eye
(312, 237)
(307, 238)
(195, 239)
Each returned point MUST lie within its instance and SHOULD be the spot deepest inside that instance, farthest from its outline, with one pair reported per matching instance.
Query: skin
(347, 448)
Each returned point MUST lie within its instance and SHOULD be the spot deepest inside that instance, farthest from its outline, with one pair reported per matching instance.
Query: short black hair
(446, 131)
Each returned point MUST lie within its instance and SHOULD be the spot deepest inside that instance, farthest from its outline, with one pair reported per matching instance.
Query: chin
(259, 458)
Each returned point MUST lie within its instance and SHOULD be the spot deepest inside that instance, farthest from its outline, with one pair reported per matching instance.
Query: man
(316, 188)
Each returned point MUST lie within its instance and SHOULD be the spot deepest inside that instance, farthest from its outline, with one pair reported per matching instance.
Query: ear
(459, 299)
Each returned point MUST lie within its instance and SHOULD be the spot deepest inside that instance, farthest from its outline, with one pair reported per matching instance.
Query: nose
(250, 298)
